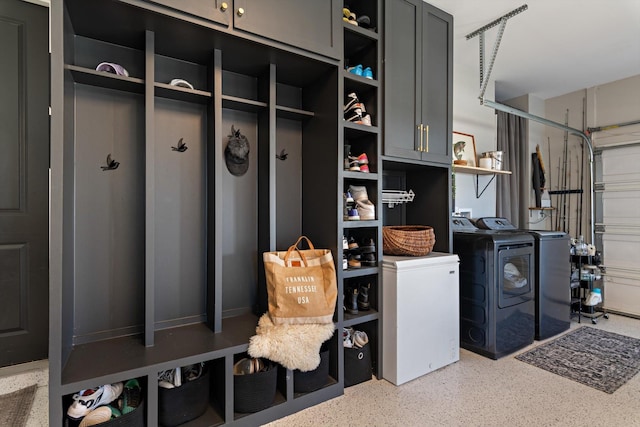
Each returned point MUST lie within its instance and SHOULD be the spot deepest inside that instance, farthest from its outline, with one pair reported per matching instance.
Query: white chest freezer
(421, 315)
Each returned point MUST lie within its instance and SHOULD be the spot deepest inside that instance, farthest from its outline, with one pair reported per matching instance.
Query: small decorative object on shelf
(464, 149)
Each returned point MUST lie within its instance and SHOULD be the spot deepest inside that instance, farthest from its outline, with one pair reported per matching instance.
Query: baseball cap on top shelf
(181, 83)
(113, 68)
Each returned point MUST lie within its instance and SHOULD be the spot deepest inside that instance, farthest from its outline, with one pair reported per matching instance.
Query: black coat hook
(182, 147)
(282, 156)
(111, 164)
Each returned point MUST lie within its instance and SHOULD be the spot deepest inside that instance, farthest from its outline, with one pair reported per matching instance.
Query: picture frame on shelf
(464, 149)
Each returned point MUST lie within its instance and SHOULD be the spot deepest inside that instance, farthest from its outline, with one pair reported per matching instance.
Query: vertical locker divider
(152, 399)
(266, 146)
(214, 196)
(149, 99)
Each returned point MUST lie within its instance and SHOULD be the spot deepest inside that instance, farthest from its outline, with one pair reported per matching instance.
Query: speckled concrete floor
(14, 378)
(476, 391)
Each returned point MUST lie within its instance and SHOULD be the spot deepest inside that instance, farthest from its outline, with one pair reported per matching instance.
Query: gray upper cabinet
(418, 89)
(307, 24)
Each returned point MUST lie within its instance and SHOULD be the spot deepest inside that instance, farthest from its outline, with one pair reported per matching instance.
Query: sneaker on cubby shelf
(89, 399)
(352, 338)
(100, 415)
(357, 70)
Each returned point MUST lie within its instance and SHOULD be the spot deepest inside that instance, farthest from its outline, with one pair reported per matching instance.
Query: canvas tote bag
(301, 284)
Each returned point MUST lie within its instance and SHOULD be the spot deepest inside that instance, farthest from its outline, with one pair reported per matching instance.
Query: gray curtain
(512, 197)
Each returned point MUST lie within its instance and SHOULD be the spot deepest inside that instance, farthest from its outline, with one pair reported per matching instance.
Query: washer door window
(515, 277)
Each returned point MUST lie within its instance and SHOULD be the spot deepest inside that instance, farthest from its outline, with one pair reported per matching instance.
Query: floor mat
(600, 359)
(15, 406)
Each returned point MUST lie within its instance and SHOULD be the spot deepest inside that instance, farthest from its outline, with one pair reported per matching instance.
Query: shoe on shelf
(99, 415)
(363, 21)
(366, 210)
(348, 198)
(353, 244)
(352, 215)
(354, 262)
(190, 372)
(345, 244)
(354, 117)
(359, 192)
(352, 98)
(347, 337)
(345, 263)
(364, 168)
(346, 154)
(248, 365)
(357, 70)
(362, 159)
(351, 300)
(363, 297)
(355, 108)
(367, 73)
(354, 166)
(368, 259)
(349, 16)
(131, 396)
(360, 338)
(368, 246)
(89, 399)
(366, 120)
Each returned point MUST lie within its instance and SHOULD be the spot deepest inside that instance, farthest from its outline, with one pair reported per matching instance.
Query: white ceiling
(552, 48)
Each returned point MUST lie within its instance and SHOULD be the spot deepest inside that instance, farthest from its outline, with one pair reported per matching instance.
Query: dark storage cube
(305, 382)
(185, 403)
(255, 392)
(357, 365)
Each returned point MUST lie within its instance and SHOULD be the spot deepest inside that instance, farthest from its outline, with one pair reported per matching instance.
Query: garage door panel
(620, 191)
(621, 164)
(621, 251)
(621, 208)
(622, 294)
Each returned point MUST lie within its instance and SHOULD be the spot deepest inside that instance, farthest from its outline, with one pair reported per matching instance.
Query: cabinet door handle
(240, 11)
(420, 128)
(224, 6)
(426, 131)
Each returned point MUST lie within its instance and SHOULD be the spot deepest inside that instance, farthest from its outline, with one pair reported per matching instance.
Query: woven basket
(408, 240)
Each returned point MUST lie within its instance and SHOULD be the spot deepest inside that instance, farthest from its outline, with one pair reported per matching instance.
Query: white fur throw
(293, 346)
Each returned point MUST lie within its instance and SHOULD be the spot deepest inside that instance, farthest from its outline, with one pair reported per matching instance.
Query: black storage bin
(255, 392)
(357, 365)
(185, 403)
(305, 382)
